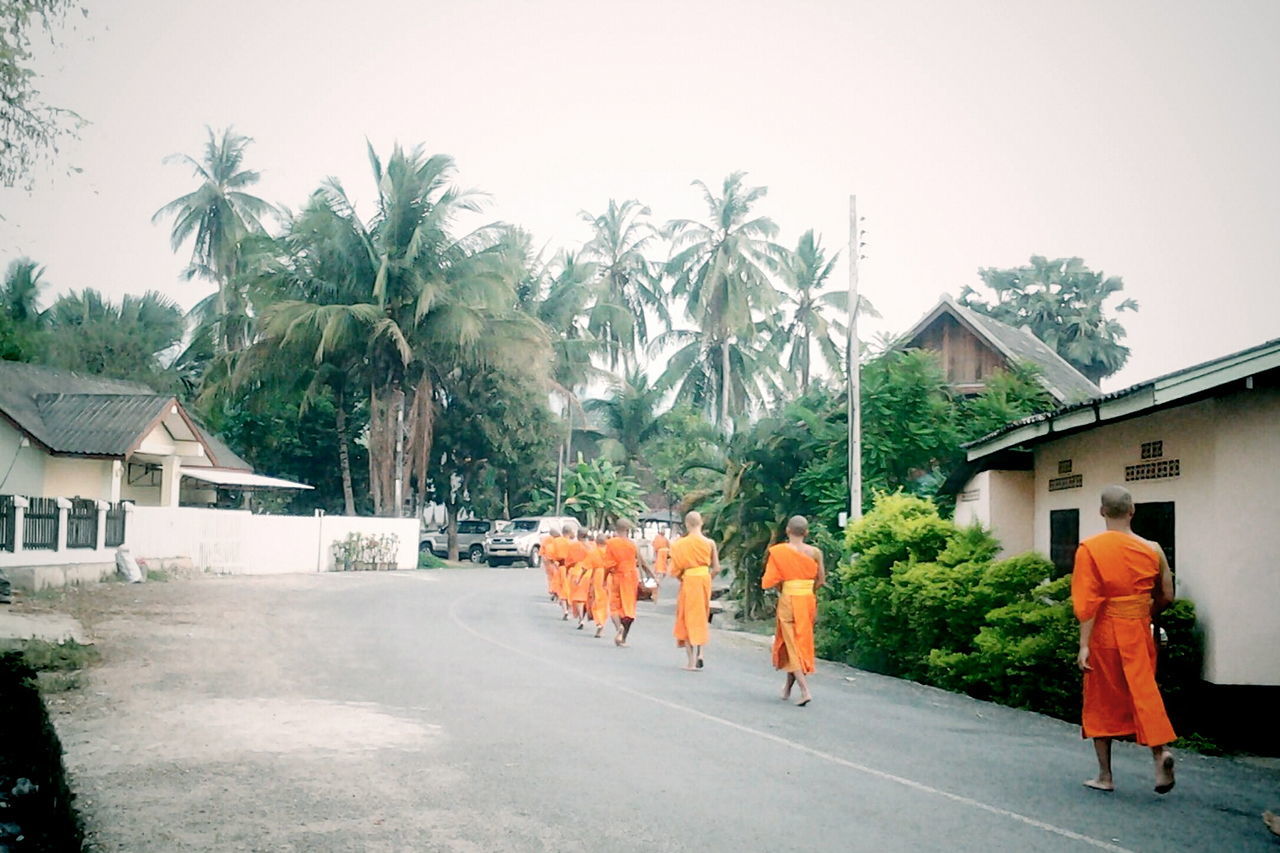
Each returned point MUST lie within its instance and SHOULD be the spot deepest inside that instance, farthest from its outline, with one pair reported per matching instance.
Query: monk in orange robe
(554, 555)
(695, 560)
(661, 555)
(798, 568)
(1119, 580)
(623, 561)
(599, 598)
(577, 581)
(548, 564)
(567, 536)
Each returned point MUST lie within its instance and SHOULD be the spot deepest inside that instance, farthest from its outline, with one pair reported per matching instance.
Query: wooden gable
(967, 359)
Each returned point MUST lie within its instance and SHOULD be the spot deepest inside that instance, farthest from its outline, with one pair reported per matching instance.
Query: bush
(428, 560)
(919, 597)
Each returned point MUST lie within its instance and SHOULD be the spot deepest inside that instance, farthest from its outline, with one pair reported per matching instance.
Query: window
(470, 527)
(1071, 481)
(1064, 466)
(1152, 449)
(1155, 521)
(1064, 539)
(1161, 469)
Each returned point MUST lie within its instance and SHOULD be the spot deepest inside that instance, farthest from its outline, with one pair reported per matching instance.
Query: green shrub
(919, 597)
(428, 560)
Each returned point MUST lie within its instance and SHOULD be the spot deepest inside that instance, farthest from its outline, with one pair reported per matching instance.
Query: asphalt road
(453, 710)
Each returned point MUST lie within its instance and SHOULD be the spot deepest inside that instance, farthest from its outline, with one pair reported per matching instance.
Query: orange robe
(576, 581)
(620, 556)
(1111, 584)
(599, 598)
(661, 549)
(797, 607)
(548, 564)
(555, 550)
(691, 564)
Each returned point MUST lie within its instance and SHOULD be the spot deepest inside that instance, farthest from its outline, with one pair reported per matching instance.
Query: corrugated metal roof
(97, 424)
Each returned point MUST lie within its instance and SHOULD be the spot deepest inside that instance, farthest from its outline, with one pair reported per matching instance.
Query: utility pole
(853, 368)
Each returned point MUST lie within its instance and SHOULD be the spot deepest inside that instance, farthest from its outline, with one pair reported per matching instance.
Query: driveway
(453, 710)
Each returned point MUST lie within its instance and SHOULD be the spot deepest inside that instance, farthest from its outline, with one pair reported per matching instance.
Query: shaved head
(1116, 502)
(569, 529)
(601, 539)
(623, 527)
(693, 520)
(583, 533)
(798, 525)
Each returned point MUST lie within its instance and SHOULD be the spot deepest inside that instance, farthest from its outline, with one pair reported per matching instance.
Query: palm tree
(411, 297)
(217, 216)
(23, 281)
(723, 268)
(629, 416)
(128, 340)
(628, 287)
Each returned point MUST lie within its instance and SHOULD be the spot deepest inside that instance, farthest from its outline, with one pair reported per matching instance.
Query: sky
(1139, 136)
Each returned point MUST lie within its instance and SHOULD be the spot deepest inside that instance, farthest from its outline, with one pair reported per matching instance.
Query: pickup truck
(471, 534)
(521, 540)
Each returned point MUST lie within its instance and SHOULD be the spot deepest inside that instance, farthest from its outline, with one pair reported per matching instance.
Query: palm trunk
(724, 384)
(344, 455)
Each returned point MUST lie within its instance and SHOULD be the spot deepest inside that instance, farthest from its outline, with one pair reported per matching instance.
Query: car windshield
(525, 524)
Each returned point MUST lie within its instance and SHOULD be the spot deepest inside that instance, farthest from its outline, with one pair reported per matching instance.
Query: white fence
(235, 542)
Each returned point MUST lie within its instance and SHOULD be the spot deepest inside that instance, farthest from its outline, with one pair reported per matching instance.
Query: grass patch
(1196, 742)
(158, 575)
(44, 656)
(428, 560)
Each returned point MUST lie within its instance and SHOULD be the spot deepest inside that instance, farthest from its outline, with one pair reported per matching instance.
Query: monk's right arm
(1163, 593)
(772, 577)
(1082, 658)
(822, 568)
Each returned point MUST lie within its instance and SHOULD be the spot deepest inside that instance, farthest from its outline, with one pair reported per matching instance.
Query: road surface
(453, 710)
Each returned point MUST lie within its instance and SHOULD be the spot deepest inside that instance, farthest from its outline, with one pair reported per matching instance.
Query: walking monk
(578, 581)
(564, 553)
(661, 555)
(553, 554)
(621, 558)
(798, 567)
(599, 598)
(545, 552)
(695, 560)
(1120, 580)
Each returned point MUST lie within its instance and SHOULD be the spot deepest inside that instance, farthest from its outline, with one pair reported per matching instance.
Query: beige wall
(73, 477)
(1227, 525)
(1004, 503)
(27, 474)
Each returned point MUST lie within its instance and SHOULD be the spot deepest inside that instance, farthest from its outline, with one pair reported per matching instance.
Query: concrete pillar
(128, 525)
(117, 476)
(19, 515)
(103, 506)
(170, 481)
(64, 506)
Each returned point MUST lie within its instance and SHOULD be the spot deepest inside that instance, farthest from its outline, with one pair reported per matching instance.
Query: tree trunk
(724, 384)
(804, 369)
(344, 455)
(451, 512)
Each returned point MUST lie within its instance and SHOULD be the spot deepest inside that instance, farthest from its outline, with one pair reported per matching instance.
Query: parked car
(522, 540)
(471, 535)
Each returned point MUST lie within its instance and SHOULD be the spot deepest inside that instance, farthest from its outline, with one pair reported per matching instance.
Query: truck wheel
(476, 554)
(535, 557)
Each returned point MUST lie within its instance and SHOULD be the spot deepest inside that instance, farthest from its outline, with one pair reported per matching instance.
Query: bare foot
(689, 668)
(804, 700)
(617, 639)
(786, 695)
(1100, 785)
(1272, 821)
(1164, 772)
(599, 631)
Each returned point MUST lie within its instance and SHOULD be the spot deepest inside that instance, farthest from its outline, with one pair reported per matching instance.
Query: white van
(521, 540)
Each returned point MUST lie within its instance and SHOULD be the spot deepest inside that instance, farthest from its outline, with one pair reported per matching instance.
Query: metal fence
(82, 523)
(8, 523)
(115, 525)
(40, 525)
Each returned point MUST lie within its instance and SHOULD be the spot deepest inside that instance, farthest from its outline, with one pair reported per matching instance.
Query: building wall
(1226, 527)
(26, 476)
(74, 477)
(241, 543)
(1004, 503)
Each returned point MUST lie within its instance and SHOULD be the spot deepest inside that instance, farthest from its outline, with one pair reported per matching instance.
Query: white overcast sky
(1141, 136)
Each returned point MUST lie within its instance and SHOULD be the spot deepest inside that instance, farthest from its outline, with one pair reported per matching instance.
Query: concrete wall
(27, 475)
(73, 477)
(1004, 503)
(238, 542)
(1227, 526)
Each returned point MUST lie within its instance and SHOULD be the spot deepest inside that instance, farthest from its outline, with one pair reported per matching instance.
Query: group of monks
(1120, 581)
(599, 578)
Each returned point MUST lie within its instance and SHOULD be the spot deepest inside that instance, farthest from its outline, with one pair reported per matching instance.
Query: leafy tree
(1063, 303)
(495, 441)
(20, 320)
(601, 493)
(29, 128)
(418, 299)
(806, 272)
(629, 418)
(129, 340)
(723, 268)
(218, 216)
(627, 286)
(682, 457)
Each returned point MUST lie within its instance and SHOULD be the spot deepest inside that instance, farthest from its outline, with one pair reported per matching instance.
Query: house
(973, 346)
(1197, 448)
(67, 435)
